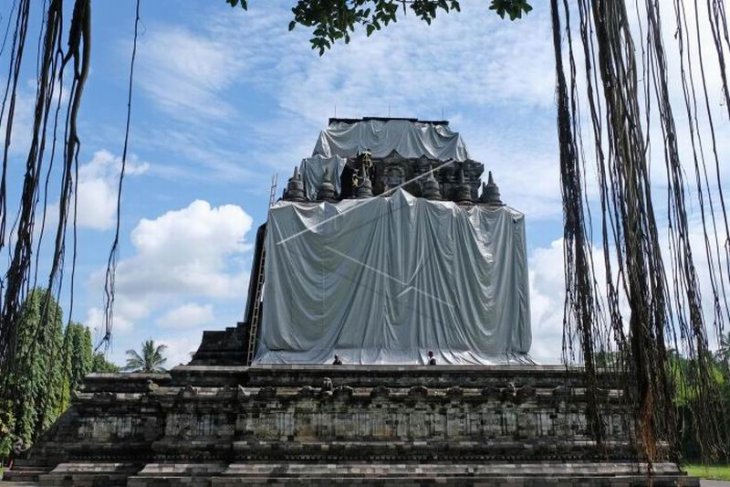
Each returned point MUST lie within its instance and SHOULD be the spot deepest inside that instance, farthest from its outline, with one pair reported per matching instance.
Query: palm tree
(150, 360)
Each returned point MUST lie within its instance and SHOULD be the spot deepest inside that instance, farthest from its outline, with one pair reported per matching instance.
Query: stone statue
(365, 189)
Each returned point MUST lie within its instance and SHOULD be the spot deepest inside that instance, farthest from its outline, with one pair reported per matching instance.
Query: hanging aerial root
(53, 60)
(660, 286)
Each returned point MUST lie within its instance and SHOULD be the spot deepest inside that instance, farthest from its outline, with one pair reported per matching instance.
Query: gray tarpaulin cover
(312, 171)
(384, 280)
(408, 138)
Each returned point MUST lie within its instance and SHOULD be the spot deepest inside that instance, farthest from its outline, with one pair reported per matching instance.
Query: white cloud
(547, 293)
(183, 72)
(186, 316)
(528, 178)
(23, 113)
(180, 347)
(547, 289)
(215, 160)
(547, 299)
(96, 322)
(97, 188)
(186, 251)
(192, 254)
(427, 68)
(467, 62)
(22, 124)
(462, 63)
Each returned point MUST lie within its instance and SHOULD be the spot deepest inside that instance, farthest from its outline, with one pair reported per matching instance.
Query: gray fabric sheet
(409, 139)
(384, 280)
(312, 171)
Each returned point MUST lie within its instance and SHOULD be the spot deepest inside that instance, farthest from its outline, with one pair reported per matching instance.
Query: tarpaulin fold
(386, 279)
(312, 170)
(381, 137)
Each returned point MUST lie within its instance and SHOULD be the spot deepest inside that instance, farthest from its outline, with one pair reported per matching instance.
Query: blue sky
(223, 99)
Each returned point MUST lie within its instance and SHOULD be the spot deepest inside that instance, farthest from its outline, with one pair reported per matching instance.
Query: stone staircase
(24, 471)
(377, 474)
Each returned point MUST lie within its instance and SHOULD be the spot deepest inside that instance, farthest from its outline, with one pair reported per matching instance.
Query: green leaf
(243, 3)
(333, 20)
(513, 8)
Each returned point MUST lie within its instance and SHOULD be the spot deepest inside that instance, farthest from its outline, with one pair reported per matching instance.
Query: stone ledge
(526, 474)
(193, 469)
(496, 469)
(495, 474)
(170, 474)
(517, 481)
(428, 449)
(439, 376)
(122, 382)
(89, 474)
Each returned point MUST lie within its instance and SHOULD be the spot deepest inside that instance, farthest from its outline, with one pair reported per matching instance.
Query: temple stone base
(498, 474)
(368, 425)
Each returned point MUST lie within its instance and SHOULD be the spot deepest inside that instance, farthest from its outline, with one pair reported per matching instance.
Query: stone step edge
(277, 472)
(272, 469)
(19, 475)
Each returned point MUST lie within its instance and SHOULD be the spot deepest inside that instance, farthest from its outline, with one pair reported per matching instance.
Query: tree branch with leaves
(335, 20)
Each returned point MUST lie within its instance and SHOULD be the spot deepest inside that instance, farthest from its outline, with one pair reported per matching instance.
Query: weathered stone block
(295, 425)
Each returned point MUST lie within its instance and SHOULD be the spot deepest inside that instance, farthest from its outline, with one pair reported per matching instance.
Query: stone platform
(368, 425)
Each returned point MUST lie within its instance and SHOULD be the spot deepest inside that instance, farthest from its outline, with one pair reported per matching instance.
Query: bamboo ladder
(256, 312)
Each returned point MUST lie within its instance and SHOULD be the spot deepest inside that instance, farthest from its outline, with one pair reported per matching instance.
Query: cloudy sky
(224, 99)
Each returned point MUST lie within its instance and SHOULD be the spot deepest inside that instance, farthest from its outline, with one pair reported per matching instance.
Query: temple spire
(431, 188)
(463, 189)
(295, 187)
(326, 189)
(490, 193)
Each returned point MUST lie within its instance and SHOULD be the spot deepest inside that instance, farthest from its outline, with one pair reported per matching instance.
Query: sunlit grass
(713, 472)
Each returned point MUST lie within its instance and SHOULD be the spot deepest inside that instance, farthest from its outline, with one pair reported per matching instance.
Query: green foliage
(50, 362)
(151, 358)
(513, 8)
(77, 359)
(609, 360)
(723, 353)
(333, 20)
(82, 354)
(7, 429)
(684, 374)
(100, 364)
(243, 3)
(35, 378)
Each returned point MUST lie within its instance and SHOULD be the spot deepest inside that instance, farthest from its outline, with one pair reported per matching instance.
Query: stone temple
(384, 246)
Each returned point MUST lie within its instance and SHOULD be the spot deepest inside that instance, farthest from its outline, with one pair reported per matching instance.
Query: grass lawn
(713, 472)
